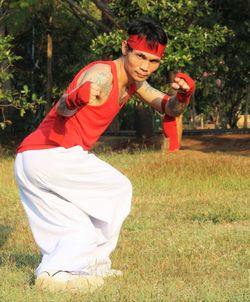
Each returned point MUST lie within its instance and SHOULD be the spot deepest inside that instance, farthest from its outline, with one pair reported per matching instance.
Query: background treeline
(43, 44)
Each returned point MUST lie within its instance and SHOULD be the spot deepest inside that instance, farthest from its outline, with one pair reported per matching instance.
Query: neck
(123, 78)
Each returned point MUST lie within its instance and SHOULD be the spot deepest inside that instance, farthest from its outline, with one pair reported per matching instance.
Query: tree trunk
(193, 111)
(246, 107)
(179, 123)
(234, 113)
(217, 117)
(165, 142)
(143, 122)
(49, 58)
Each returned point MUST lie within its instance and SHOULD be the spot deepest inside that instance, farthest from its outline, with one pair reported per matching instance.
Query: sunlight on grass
(186, 239)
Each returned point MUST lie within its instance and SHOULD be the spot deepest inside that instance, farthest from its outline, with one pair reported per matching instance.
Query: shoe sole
(82, 284)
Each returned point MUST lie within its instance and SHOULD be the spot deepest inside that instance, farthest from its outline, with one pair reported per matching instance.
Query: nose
(144, 66)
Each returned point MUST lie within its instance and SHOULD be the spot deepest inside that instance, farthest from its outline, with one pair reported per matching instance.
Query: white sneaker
(71, 281)
(104, 273)
(110, 273)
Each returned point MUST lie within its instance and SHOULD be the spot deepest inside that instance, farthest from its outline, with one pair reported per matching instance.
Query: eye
(155, 61)
(140, 56)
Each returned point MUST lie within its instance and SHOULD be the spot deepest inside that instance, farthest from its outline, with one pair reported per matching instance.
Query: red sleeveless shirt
(83, 128)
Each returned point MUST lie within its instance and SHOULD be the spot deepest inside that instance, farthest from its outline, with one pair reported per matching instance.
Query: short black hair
(148, 27)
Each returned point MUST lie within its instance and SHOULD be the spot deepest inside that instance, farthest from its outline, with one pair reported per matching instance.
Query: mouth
(141, 75)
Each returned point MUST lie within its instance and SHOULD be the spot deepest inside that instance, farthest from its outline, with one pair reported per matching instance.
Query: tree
(228, 63)
(36, 26)
(236, 65)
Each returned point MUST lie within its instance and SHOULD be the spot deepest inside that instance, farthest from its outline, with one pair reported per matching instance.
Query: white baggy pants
(75, 204)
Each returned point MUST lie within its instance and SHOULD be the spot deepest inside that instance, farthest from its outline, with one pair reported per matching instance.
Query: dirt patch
(239, 143)
(230, 143)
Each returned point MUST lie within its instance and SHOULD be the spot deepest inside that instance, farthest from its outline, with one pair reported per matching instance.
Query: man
(76, 203)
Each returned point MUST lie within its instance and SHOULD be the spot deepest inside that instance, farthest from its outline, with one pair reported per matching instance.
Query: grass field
(187, 237)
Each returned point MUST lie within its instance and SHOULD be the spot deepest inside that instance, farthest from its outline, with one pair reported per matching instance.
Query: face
(138, 64)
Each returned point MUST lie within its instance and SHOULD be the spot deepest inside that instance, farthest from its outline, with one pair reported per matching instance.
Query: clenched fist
(87, 92)
(184, 86)
(95, 92)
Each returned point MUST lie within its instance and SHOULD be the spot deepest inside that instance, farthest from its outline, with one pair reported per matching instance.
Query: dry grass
(186, 239)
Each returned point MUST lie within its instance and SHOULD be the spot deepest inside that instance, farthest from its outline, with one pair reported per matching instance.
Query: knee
(123, 184)
(126, 195)
(127, 186)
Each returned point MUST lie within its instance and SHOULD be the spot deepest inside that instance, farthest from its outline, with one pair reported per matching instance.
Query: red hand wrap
(184, 97)
(169, 127)
(78, 97)
(170, 130)
(164, 102)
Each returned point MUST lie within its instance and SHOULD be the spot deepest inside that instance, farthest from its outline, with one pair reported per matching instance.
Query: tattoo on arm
(103, 79)
(174, 107)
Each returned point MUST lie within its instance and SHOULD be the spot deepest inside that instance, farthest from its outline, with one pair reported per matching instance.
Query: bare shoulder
(100, 74)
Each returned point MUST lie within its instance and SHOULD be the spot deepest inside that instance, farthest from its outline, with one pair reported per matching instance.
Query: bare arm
(100, 77)
(153, 97)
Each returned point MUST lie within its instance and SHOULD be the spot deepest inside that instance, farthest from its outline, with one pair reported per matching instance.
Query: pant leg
(108, 235)
(64, 234)
(60, 190)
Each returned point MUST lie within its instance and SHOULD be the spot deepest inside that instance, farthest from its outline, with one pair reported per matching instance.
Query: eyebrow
(145, 57)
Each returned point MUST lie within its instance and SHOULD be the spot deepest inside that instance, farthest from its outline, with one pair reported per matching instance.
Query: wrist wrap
(78, 97)
(184, 97)
(169, 127)
(164, 102)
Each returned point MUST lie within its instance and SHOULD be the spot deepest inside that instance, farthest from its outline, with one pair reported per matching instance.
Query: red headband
(140, 43)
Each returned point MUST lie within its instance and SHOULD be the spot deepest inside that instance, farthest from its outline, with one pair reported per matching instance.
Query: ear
(124, 47)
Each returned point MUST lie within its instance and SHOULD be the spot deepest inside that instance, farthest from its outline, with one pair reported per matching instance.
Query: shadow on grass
(25, 260)
(20, 260)
(10, 257)
(5, 231)
(223, 217)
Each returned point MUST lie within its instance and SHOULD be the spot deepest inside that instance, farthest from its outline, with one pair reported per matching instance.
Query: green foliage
(187, 46)
(187, 38)
(108, 43)
(18, 14)
(204, 36)
(27, 21)
(22, 100)
(7, 58)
